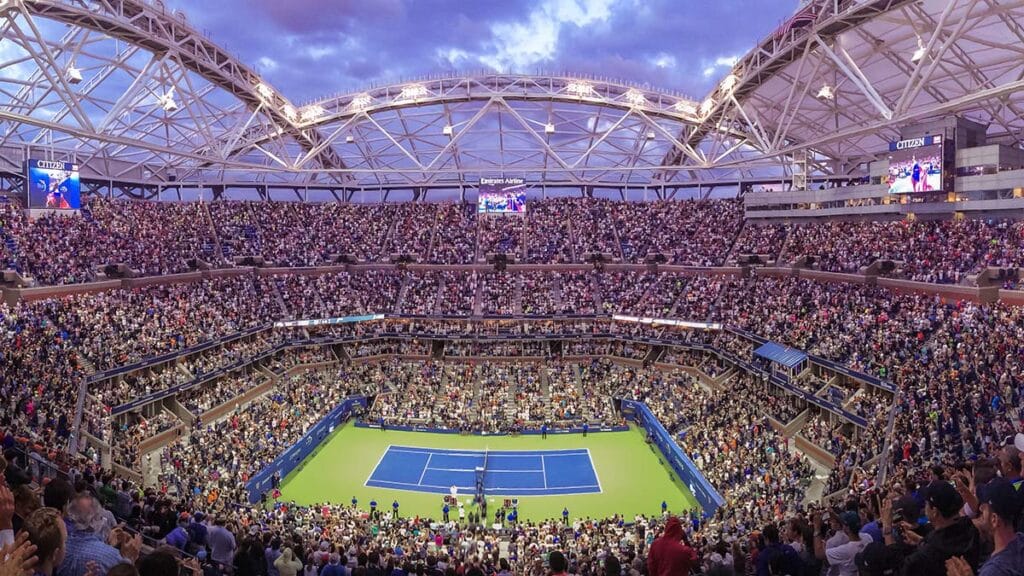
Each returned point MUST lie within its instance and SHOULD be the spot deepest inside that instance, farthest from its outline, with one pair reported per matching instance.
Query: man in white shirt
(839, 552)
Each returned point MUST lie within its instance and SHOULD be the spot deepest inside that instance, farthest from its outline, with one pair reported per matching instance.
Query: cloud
(267, 64)
(663, 60)
(662, 43)
(519, 46)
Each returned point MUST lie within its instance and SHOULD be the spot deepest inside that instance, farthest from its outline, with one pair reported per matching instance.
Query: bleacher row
(156, 238)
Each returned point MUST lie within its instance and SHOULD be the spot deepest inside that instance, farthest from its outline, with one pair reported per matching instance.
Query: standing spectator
(775, 557)
(222, 543)
(287, 564)
(952, 534)
(1000, 509)
(334, 567)
(670, 555)
(84, 544)
(559, 564)
(48, 533)
(179, 537)
(272, 553)
(840, 553)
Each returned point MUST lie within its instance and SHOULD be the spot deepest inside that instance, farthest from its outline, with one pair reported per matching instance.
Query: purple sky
(313, 48)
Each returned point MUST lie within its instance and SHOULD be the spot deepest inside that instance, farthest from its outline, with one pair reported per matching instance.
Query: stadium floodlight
(74, 75)
(312, 112)
(920, 53)
(264, 91)
(685, 107)
(167, 101)
(349, 139)
(549, 128)
(729, 83)
(706, 106)
(826, 93)
(360, 101)
(650, 134)
(636, 98)
(412, 92)
(579, 88)
(447, 130)
(289, 112)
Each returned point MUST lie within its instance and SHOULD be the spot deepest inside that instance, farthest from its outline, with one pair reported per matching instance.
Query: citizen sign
(912, 143)
(49, 165)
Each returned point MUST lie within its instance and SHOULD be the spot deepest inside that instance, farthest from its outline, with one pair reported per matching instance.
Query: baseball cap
(1018, 441)
(851, 520)
(910, 508)
(1003, 499)
(201, 554)
(943, 496)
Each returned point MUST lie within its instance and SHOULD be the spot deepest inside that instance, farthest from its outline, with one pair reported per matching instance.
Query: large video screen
(501, 196)
(915, 165)
(53, 185)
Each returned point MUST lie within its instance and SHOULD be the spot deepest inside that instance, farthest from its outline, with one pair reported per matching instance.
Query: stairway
(406, 278)
(595, 288)
(433, 235)
(478, 295)
(285, 313)
(517, 295)
(211, 251)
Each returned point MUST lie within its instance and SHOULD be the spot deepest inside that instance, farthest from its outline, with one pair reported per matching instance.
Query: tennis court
(506, 472)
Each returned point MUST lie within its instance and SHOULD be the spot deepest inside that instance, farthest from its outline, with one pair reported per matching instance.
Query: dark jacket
(668, 555)
(958, 539)
(779, 559)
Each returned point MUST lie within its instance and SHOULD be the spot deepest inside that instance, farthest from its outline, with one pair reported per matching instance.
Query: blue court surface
(507, 473)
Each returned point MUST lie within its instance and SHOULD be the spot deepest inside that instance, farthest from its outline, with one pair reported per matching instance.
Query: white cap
(1018, 441)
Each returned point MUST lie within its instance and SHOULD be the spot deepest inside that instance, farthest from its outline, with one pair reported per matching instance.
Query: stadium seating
(955, 364)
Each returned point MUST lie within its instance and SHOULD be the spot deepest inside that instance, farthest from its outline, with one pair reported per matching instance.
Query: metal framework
(146, 103)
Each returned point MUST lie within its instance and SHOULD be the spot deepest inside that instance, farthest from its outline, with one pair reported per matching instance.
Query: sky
(314, 48)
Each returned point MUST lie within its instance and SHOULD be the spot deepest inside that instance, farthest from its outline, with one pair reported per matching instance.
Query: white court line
(412, 487)
(489, 470)
(594, 468)
(425, 468)
(379, 460)
(544, 468)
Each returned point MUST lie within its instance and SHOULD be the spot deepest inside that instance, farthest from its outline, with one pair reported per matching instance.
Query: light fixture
(826, 93)
(706, 106)
(579, 88)
(549, 128)
(167, 101)
(264, 91)
(729, 83)
(74, 75)
(360, 101)
(349, 139)
(312, 112)
(920, 52)
(289, 112)
(447, 130)
(685, 107)
(413, 91)
(636, 98)
(650, 134)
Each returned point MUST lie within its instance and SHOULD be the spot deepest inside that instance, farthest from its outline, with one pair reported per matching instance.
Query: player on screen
(55, 198)
(915, 175)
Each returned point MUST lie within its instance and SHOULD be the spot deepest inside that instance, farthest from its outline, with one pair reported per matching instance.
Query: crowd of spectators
(158, 238)
(957, 367)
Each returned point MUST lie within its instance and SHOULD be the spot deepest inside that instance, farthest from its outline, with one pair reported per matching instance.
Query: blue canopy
(788, 357)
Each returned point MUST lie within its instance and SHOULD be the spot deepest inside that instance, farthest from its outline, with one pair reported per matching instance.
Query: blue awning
(788, 357)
